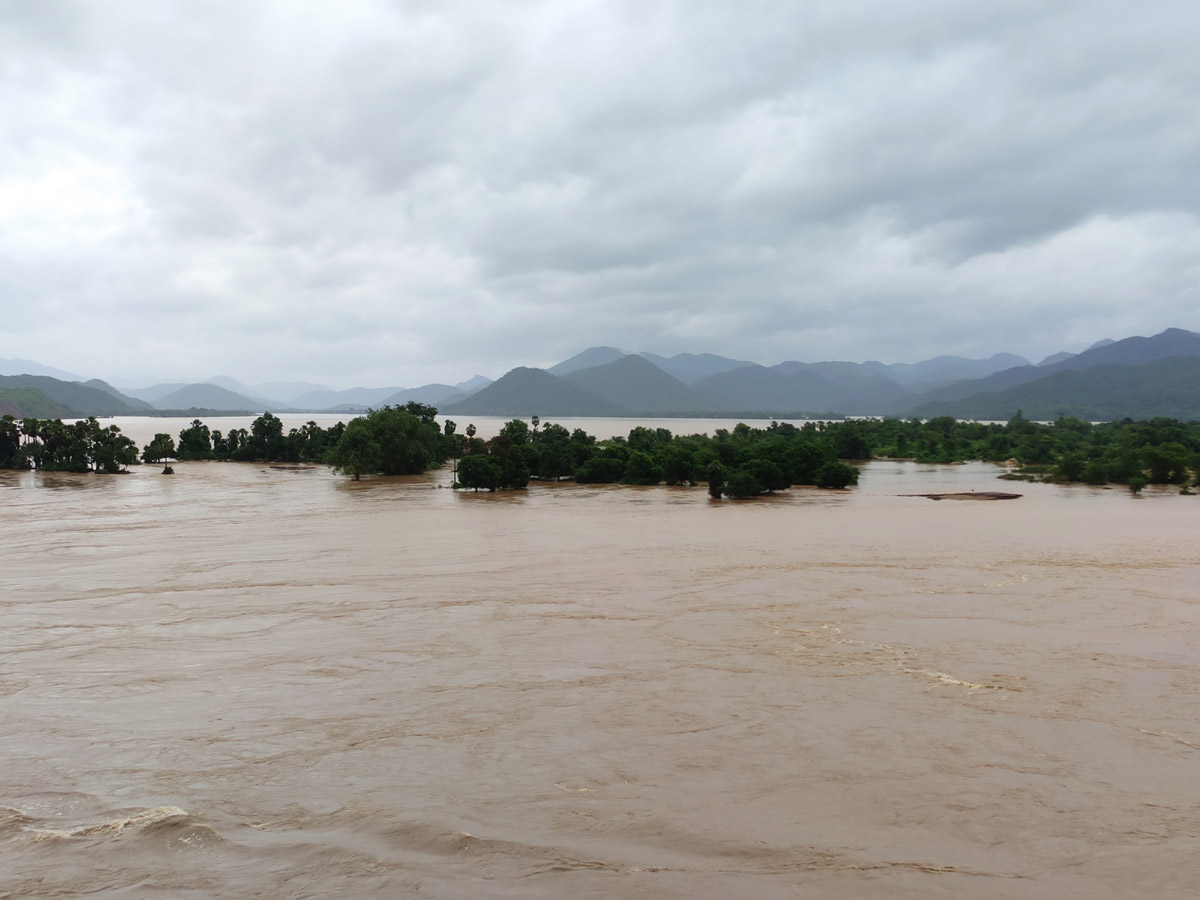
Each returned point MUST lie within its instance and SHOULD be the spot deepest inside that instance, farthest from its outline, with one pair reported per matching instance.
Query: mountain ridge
(77, 398)
(1131, 350)
(647, 384)
(527, 392)
(636, 384)
(1164, 387)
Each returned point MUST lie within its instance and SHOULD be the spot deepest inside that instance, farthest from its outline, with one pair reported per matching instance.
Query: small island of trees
(741, 462)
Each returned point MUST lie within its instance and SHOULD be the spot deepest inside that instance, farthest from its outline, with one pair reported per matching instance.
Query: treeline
(264, 441)
(738, 462)
(389, 441)
(744, 462)
(1135, 453)
(56, 446)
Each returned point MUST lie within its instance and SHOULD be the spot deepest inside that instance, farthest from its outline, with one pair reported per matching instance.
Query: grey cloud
(418, 191)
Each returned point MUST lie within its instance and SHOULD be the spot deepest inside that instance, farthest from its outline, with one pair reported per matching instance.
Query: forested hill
(77, 399)
(1164, 387)
(1132, 352)
(528, 392)
(24, 402)
(1130, 378)
(208, 396)
(635, 383)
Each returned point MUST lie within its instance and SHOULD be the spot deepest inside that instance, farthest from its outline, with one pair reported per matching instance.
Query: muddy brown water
(249, 682)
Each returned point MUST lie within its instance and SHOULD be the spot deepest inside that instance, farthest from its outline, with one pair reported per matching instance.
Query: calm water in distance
(242, 681)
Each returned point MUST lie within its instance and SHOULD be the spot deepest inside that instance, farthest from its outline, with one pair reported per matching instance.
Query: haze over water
(251, 681)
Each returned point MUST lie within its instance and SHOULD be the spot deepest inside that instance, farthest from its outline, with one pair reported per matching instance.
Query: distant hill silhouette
(29, 403)
(154, 392)
(930, 373)
(691, 367)
(1055, 358)
(430, 394)
(731, 386)
(1165, 344)
(636, 384)
(633, 384)
(473, 384)
(587, 359)
(605, 381)
(113, 392)
(279, 392)
(1131, 351)
(258, 400)
(76, 398)
(853, 389)
(534, 392)
(1161, 387)
(29, 367)
(359, 398)
(207, 396)
(770, 391)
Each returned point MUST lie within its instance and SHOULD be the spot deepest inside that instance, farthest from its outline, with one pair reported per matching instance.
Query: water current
(245, 681)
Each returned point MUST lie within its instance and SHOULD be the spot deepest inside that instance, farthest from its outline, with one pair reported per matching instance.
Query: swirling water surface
(242, 681)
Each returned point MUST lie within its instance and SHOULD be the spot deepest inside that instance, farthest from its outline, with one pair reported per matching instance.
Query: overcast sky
(403, 192)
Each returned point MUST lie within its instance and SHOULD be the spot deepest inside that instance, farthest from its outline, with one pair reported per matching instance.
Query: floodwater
(243, 681)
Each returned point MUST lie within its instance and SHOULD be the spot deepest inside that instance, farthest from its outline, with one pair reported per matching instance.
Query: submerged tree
(390, 441)
(56, 446)
(195, 441)
(836, 475)
(10, 443)
(478, 471)
(161, 449)
(357, 453)
(111, 451)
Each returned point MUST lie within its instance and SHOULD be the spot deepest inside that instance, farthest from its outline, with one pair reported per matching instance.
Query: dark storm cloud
(403, 192)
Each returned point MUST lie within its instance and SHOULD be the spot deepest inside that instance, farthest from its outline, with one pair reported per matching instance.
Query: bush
(836, 475)
(600, 470)
(641, 469)
(743, 485)
(479, 472)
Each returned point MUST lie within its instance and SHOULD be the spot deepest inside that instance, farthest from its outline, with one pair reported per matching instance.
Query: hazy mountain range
(1139, 377)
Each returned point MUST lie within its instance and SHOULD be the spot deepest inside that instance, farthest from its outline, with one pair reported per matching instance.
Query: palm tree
(31, 429)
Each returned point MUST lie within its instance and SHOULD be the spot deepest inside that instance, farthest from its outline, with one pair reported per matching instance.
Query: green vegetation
(55, 446)
(740, 463)
(388, 441)
(81, 399)
(265, 441)
(161, 449)
(1163, 387)
(30, 402)
(525, 389)
(748, 462)
(1160, 450)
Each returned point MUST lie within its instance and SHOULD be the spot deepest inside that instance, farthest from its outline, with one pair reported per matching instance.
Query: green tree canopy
(479, 471)
(390, 441)
(160, 449)
(357, 453)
